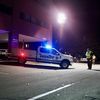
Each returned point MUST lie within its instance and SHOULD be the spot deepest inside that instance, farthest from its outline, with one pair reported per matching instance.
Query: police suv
(42, 54)
(45, 55)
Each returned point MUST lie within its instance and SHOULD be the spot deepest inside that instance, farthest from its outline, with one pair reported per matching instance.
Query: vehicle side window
(44, 50)
(55, 52)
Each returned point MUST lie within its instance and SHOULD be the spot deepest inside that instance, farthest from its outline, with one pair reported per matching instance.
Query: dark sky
(85, 31)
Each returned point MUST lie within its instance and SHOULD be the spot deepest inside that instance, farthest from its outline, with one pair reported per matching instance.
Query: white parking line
(52, 91)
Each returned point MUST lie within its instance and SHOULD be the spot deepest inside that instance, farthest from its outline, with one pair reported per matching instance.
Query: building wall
(5, 14)
(25, 17)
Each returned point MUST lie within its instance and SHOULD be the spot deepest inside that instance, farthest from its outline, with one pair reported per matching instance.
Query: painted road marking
(50, 92)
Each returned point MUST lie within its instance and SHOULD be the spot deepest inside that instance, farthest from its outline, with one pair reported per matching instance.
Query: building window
(6, 9)
(33, 20)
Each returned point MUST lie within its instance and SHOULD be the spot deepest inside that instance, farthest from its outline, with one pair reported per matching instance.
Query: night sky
(83, 31)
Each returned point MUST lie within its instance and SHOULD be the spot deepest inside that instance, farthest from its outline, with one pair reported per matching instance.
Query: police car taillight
(22, 54)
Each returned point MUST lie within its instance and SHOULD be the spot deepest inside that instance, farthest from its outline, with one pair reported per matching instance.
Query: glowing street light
(61, 18)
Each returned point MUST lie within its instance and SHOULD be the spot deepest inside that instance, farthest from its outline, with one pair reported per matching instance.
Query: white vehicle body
(43, 54)
(46, 55)
(52, 55)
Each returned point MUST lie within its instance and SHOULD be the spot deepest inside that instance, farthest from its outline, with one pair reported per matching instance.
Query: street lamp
(61, 18)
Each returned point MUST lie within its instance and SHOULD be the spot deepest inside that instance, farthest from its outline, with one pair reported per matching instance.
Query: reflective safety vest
(89, 54)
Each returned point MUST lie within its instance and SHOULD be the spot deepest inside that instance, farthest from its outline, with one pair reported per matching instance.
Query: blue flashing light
(48, 46)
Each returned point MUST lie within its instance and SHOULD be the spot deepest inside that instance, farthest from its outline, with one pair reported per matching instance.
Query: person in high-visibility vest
(89, 55)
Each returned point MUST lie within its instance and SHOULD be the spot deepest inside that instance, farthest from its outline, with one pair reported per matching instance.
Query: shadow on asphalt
(9, 63)
(33, 66)
(96, 70)
(44, 67)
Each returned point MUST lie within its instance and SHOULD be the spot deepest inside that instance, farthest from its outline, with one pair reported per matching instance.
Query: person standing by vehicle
(89, 55)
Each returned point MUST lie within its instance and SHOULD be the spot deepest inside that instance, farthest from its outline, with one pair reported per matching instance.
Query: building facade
(24, 20)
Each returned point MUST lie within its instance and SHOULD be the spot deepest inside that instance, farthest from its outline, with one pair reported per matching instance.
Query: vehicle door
(56, 56)
(44, 55)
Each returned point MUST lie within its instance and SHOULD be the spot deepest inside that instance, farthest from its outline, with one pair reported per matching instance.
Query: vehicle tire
(21, 61)
(65, 64)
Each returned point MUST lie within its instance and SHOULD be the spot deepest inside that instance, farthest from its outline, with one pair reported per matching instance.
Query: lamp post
(61, 19)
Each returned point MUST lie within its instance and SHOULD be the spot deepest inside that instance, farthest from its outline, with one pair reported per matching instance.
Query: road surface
(48, 82)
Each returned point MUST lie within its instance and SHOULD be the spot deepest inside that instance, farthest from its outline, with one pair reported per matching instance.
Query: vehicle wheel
(21, 61)
(64, 64)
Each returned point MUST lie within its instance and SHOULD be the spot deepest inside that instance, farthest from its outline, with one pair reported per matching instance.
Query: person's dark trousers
(89, 61)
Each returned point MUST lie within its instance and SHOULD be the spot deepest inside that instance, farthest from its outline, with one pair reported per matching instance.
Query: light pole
(61, 19)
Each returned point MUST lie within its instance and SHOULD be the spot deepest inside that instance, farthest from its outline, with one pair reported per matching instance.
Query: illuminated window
(26, 45)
